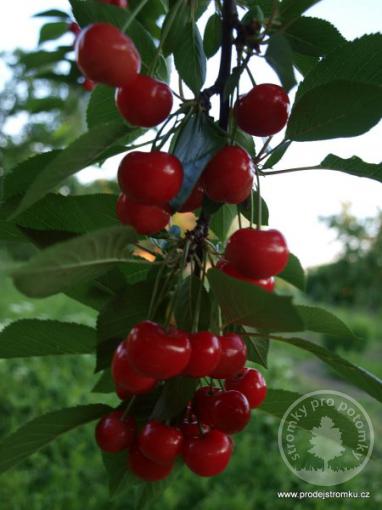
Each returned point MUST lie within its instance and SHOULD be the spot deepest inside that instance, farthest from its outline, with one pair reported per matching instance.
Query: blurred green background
(69, 474)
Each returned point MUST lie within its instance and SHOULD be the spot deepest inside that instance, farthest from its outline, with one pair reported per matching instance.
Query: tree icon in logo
(326, 441)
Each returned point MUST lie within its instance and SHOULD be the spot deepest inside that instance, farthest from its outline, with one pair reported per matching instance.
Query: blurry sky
(295, 200)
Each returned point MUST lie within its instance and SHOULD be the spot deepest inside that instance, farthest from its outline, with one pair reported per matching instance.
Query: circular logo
(326, 437)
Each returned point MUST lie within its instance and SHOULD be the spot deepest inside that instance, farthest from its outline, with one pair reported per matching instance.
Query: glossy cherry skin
(153, 352)
(88, 85)
(195, 200)
(263, 111)
(228, 176)
(257, 253)
(231, 411)
(160, 443)
(144, 101)
(125, 377)
(205, 354)
(118, 3)
(203, 404)
(145, 468)
(267, 284)
(233, 357)
(146, 219)
(208, 455)
(121, 392)
(191, 427)
(150, 177)
(74, 28)
(251, 384)
(105, 55)
(114, 434)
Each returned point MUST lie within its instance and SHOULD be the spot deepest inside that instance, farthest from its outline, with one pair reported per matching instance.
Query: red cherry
(114, 434)
(208, 455)
(228, 176)
(124, 375)
(145, 468)
(257, 253)
(121, 392)
(146, 219)
(160, 443)
(251, 384)
(231, 411)
(263, 111)
(191, 427)
(205, 354)
(267, 284)
(150, 177)
(117, 3)
(74, 28)
(156, 353)
(144, 101)
(203, 404)
(195, 200)
(88, 85)
(233, 358)
(105, 55)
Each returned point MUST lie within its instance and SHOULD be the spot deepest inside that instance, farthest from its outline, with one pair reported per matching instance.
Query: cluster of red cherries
(201, 435)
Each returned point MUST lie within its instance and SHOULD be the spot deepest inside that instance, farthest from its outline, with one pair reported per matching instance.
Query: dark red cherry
(209, 454)
(88, 85)
(113, 433)
(257, 253)
(231, 411)
(250, 383)
(144, 101)
(105, 55)
(125, 377)
(203, 404)
(145, 468)
(160, 443)
(146, 219)
(121, 392)
(74, 28)
(233, 357)
(195, 200)
(263, 111)
(150, 177)
(267, 284)
(205, 354)
(153, 352)
(192, 427)
(228, 176)
(118, 3)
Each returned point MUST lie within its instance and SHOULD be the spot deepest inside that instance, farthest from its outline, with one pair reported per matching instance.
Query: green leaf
(355, 375)
(69, 263)
(116, 468)
(245, 209)
(279, 56)
(79, 214)
(313, 36)
(105, 383)
(304, 63)
(41, 431)
(294, 273)
(257, 349)
(334, 110)
(10, 232)
(101, 107)
(173, 27)
(80, 154)
(277, 154)
(248, 305)
(222, 220)
(176, 393)
(353, 166)
(51, 31)
(186, 304)
(196, 143)
(33, 337)
(52, 13)
(136, 270)
(43, 104)
(320, 320)
(190, 60)
(37, 59)
(292, 9)
(212, 35)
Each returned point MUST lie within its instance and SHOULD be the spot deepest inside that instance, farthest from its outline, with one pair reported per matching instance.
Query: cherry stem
(134, 14)
(259, 202)
(263, 149)
(289, 170)
(239, 217)
(195, 322)
(183, 265)
(128, 408)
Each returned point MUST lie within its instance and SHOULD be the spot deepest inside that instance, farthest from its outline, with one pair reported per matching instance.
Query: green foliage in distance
(83, 253)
